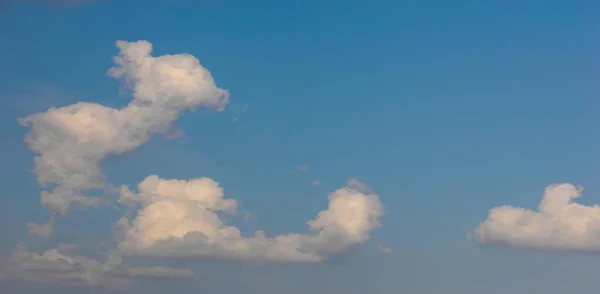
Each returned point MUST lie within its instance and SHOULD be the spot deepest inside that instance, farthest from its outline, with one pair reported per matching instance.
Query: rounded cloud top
(172, 81)
(180, 219)
(72, 141)
(558, 224)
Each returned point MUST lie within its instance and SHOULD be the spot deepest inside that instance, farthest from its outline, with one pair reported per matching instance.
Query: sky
(330, 146)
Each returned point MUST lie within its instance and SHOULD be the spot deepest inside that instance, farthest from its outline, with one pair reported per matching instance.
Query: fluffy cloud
(558, 224)
(57, 268)
(43, 230)
(167, 218)
(183, 219)
(72, 141)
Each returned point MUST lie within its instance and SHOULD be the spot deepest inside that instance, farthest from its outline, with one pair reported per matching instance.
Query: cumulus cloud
(71, 141)
(180, 218)
(166, 217)
(559, 223)
(56, 268)
(156, 272)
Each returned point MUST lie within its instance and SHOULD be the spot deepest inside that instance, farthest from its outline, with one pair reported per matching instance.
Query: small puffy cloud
(559, 223)
(43, 230)
(72, 141)
(384, 249)
(56, 268)
(315, 183)
(178, 218)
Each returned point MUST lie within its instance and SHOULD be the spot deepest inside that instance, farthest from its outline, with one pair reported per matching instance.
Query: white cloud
(384, 249)
(180, 218)
(315, 183)
(54, 267)
(170, 218)
(358, 185)
(43, 230)
(72, 141)
(558, 224)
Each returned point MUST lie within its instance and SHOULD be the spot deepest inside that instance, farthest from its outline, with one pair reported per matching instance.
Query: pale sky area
(301, 146)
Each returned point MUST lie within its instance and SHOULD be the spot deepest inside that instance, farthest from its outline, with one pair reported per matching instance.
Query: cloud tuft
(558, 224)
(381, 248)
(43, 230)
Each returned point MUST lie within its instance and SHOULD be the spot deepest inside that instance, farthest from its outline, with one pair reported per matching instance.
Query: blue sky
(444, 109)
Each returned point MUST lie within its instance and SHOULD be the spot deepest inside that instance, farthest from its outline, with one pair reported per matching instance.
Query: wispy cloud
(302, 168)
(43, 230)
(384, 249)
(248, 215)
(198, 231)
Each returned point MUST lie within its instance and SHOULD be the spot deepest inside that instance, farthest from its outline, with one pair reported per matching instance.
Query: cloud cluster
(166, 217)
(59, 268)
(183, 219)
(72, 141)
(558, 224)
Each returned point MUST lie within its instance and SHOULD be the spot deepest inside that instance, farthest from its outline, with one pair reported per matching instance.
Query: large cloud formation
(166, 217)
(558, 224)
(72, 141)
(181, 219)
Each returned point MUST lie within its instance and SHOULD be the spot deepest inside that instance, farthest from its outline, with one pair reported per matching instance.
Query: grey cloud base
(58, 268)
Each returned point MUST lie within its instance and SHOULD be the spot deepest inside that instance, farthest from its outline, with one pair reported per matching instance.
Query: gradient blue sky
(444, 108)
